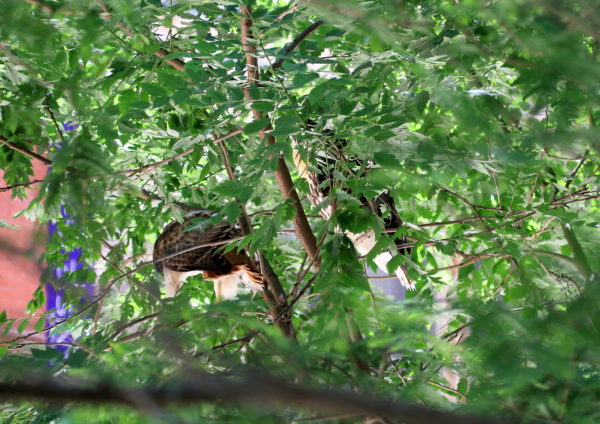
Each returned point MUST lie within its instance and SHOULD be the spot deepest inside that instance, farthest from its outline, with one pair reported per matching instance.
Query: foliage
(478, 117)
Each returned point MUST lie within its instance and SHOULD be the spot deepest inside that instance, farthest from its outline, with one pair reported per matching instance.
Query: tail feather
(252, 279)
(364, 242)
(382, 260)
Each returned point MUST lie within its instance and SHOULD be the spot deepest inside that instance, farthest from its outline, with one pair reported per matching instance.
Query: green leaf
(395, 262)
(232, 211)
(171, 80)
(235, 190)
(284, 130)
(256, 126)
(301, 80)
(263, 106)
(153, 89)
(317, 93)
(421, 101)
(23, 325)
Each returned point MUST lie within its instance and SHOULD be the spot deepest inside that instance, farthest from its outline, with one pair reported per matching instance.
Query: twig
(130, 324)
(246, 339)
(135, 283)
(545, 152)
(576, 169)
(26, 184)
(98, 298)
(70, 344)
(53, 118)
(160, 53)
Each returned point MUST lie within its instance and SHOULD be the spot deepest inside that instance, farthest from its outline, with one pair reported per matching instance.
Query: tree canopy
(478, 118)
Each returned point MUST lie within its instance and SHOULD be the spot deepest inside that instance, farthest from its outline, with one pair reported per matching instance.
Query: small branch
(27, 184)
(545, 152)
(246, 339)
(53, 118)
(294, 43)
(98, 298)
(182, 251)
(488, 229)
(286, 12)
(114, 280)
(70, 344)
(130, 278)
(443, 223)
(135, 171)
(465, 201)
(472, 259)
(576, 169)
(130, 324)
(26, 152)
(554, 255)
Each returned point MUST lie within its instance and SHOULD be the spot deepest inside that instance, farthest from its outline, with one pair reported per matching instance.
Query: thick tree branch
(256, 389)
(282, 174)
(273, 292)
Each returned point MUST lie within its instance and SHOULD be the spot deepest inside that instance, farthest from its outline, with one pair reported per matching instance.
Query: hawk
(319, 184)
(201, 253)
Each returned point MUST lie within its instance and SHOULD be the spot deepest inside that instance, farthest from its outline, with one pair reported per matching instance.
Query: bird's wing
(175, 239)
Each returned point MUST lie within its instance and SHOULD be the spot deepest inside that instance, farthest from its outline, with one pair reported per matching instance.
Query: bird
(201, 252)
(321, 178)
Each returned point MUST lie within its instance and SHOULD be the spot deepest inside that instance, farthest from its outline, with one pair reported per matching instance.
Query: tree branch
(273, 292)
(282, 174)
(253, 389)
